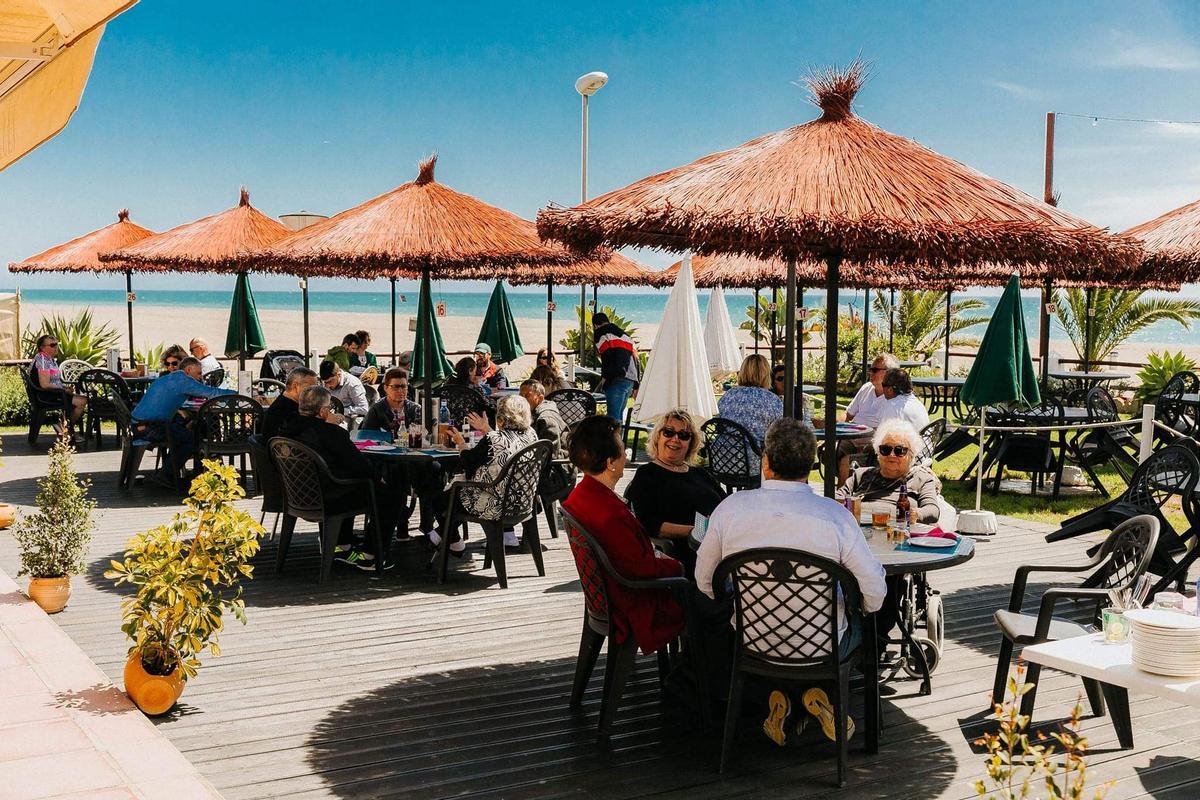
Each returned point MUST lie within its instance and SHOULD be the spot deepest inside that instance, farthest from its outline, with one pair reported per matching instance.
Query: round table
(1087, 380)
(846, 430)
(942, 393)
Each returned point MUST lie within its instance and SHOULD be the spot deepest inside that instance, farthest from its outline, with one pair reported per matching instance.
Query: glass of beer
(880, 518)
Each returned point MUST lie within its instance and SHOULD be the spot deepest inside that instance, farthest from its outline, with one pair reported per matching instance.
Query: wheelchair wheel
(935, 620)
(932, 654)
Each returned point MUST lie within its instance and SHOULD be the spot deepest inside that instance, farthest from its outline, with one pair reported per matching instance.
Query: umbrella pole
(832, 262)
(892, 321)
(800, 352)
(395, 352)
(946, 364)
(866, 329)
(129, 312)
(595, 297)
(427, 362)
(979, 469)
(756, 332)
(789, 342)
(1044, 331)
(582, 309)
(1087, 330)
(549, 317)
(304, 302)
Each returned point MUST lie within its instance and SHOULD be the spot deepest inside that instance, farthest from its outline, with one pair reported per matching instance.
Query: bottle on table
(903, 509)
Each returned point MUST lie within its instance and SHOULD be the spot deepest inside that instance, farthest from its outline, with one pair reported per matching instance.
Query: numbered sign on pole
(551, 306)
(440, 308)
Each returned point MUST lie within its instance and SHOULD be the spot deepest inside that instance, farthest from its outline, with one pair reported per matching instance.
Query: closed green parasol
(244, 338)
(1002, 373)
(428, 349)
(499, 328)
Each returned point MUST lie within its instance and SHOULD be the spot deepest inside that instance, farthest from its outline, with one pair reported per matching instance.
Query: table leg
(1117, 698)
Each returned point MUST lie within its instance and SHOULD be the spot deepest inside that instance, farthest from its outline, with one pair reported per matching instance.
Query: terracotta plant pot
(8, 515)
(153, 694)
(50, 593)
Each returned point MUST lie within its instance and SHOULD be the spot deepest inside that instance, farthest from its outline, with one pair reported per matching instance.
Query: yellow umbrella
(46, 52)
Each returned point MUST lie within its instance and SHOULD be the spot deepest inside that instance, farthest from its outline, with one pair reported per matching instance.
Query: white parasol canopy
(724, 356)
(677, 371)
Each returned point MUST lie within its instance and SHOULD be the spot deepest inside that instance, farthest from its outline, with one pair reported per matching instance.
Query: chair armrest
(1051, 598)
(671, 582)
(1022, 577)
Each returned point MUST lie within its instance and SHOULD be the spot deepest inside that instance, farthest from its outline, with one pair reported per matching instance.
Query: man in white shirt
(901, 402)
(867, 408)
(199, 350)
(346, 388)
(787, 513)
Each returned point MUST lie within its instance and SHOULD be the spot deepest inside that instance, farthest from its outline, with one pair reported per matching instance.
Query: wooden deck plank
(396, 687)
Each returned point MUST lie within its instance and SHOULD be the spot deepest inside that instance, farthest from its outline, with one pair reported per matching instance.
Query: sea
(637, 307)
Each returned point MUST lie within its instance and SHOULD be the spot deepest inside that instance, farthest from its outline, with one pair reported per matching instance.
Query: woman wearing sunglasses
(667, 493)
(171, 358)
(897, 445)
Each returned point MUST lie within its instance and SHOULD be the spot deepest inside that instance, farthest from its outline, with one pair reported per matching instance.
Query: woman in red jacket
(653, 616)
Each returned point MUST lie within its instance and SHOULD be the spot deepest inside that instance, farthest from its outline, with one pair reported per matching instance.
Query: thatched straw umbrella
(839, 190)
(82, 255)
(420, 229)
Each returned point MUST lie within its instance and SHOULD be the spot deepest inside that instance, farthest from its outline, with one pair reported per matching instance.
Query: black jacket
(282, 413)
(379, 415)
(618, 355)
(332, 443)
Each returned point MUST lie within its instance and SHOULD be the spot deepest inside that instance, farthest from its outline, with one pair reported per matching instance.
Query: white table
(1112, 666)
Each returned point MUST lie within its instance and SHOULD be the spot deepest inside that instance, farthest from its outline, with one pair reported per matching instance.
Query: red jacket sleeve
(632, 553)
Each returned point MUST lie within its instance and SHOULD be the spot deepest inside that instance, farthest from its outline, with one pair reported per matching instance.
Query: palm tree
(1119, 314)
(920, 319)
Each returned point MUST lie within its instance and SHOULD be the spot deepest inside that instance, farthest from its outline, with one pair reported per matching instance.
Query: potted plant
(187, 573)
(54, 541)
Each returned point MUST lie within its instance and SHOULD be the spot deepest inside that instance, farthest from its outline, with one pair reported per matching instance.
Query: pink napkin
(364, 444)
(940, 534)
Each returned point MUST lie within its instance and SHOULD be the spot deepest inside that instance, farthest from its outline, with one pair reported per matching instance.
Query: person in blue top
(158, 409)
(751, 403)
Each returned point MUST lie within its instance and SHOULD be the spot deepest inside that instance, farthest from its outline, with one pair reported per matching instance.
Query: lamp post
(587, 85)
(298, 222)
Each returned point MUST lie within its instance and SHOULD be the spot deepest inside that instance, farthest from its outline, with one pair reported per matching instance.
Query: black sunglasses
(671, 433)
(888, 449)
(878, 369)
(397, 386)
(171, 363)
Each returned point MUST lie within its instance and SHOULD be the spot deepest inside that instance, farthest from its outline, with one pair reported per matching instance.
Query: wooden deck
(397, 687)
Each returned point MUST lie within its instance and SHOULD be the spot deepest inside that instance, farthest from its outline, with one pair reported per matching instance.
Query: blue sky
(329, 104)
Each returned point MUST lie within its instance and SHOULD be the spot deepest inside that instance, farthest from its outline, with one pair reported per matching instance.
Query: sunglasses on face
(899, 450)
(171, 363)
(671, 433)
(878, 369)
(397, 386)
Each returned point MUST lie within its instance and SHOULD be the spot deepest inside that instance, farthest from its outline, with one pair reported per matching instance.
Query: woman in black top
(667, 493)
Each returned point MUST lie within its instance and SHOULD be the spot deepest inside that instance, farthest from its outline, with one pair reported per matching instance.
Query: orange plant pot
(51, 594)
(8, 515)
(153, 694)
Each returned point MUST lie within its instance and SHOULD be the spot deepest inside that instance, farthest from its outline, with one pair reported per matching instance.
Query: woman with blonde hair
(751, 403)
(667, 493)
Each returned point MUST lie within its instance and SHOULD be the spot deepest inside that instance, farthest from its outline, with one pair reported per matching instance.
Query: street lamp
(587, 85)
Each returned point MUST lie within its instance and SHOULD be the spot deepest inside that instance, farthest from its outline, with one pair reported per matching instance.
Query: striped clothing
(618, 355)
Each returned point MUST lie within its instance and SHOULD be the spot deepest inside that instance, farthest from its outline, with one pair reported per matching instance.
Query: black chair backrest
(122, 413)
(931, 436)
(100, 385)
(337, 405)
(266, 476)
(1169, 408)
(517, 483)
(1047, 412)
(1101, 406)
(1129, 549)
(229, 421)
(1076, 398)
(575, 405)
(1170, 472)
(214, 378)
(592, 565)
(267, 387)
(785, 604)
(734, 457)
(463, 400)
(301, 472)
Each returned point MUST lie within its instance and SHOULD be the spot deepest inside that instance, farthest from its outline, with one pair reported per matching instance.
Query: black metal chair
(1170, 410)
(635, 429)
(931, 437)
(596, 573)
(267, 480)
(786, 628)
(1098, 447)
(1121, 560)
(1031, 452)
(575, 405)
(224, 427)
(101, 387)
(267, 388)
(70, 370)
(515, 492)
(464, 400)
(41, 408)
(134, 447)
(214, 378)
(336, 405)
(307, 483)
(734, 457)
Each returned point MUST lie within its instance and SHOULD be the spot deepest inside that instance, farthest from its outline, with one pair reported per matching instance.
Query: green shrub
(78, 337)
(1158, 370)
(150, 355)
(14, 402)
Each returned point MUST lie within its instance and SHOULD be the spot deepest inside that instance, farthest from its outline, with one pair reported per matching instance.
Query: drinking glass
(1116, 629)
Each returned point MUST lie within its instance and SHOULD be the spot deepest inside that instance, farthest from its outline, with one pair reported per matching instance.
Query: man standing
(346, 388)
(199, 350)
(488, 371)
(866, 408)
(158, 409)
(285, 408)
(619, 368)
(787, 513)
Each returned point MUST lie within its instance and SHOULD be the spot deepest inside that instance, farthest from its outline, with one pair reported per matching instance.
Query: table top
(812, 388)
(1090, 657)
(1072, 375)
(951, 381)
(144, 380)
(910, 364)
(400, 453)
(846, 430)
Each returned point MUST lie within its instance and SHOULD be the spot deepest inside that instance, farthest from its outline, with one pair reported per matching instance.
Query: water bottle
(444, 413)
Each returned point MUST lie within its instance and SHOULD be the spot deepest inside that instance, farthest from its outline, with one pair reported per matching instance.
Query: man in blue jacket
(158, 409)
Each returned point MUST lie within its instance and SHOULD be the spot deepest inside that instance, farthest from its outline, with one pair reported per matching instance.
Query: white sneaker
(434, 538)
(510, 539)
(458, 547)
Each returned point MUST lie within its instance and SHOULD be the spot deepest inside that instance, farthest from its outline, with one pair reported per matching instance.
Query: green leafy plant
(920, 321)
(1158, 370)
(571, 340)
(1120, 313)
(186, 585)
(54, 540)
(14, 402)
(78, 337)
(1050, 767)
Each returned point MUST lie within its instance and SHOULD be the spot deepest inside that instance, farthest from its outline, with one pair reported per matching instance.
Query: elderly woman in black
(667, 493)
